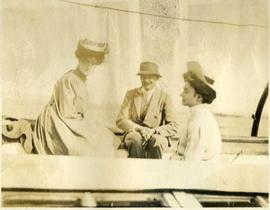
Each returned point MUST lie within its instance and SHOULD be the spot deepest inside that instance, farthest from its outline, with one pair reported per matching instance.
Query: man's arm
(170, 127)
(123, 120)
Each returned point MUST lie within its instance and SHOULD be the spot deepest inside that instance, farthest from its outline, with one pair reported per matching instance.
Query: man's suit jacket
(160, 113)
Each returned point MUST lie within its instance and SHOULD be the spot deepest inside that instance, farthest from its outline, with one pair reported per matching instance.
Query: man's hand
(145, 132)
(148, 133)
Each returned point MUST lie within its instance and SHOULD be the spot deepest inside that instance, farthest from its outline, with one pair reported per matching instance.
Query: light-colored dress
(201, 139)
(63, 127)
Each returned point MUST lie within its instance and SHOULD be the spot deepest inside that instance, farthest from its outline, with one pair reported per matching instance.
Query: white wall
(39, 39)
(236, 57)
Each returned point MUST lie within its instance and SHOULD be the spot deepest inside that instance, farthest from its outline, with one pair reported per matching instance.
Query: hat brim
(146, 73)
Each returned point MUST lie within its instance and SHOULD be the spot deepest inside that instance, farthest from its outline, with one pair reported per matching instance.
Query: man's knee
(158, 141)
(154, 148)
(133, 142)
(133, 138)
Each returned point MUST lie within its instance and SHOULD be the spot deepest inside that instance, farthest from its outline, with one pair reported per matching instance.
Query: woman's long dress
(63, 127)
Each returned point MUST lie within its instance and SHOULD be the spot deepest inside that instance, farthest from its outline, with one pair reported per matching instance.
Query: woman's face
(87, 66)
(189, 96)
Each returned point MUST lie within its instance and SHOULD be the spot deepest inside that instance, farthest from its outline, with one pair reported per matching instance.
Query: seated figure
(63, 127)
(147, 116)
(200, 140)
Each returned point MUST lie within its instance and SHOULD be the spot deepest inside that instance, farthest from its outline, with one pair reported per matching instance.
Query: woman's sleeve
(196, 143)
(69, 104)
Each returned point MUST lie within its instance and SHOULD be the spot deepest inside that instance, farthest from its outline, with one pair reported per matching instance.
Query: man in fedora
(147, 116)
(200, 140)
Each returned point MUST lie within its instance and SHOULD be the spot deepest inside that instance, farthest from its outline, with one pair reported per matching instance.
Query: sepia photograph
(134, 103)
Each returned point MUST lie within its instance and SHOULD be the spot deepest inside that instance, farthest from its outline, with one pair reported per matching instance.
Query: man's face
(148, 81)
(189, 96)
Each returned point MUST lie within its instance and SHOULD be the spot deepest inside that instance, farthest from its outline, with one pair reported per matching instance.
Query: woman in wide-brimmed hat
(63, 127)
(200, 140)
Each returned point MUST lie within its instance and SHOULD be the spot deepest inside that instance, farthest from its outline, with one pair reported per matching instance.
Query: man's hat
(149, 68)
(200, 82)
(87, 48)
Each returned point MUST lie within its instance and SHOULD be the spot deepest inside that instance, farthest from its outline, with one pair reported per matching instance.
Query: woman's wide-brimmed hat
(149, 68)
(87, 48)
(200, 82)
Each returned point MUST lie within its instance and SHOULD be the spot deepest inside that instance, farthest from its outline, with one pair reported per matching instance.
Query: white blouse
(200, 139)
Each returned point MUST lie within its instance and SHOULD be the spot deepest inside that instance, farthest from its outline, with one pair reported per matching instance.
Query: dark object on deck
(257, 116)
(17, 130)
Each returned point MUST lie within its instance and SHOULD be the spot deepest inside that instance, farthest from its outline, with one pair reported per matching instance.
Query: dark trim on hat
(209, 80)
(87, 48)
(145, 73)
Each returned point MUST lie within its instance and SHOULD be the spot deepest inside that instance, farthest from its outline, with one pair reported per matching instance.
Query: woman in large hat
(63, 127)
(200, 140)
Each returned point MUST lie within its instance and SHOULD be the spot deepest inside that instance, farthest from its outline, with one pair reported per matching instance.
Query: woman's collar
(82, 76)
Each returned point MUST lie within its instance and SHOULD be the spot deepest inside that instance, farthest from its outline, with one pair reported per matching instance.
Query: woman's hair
(88, 49)
(81, 55)
(200, 87)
